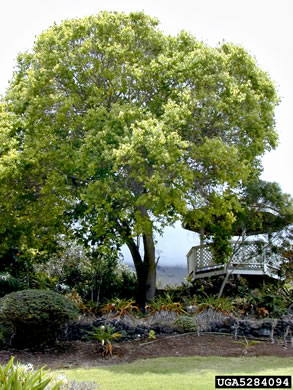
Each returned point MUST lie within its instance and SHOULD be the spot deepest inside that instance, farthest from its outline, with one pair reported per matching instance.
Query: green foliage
(8, 283)
(247, 343)
(76, 298)
(152, 335)
(22, 377)
(105, 335)
(95, 275)
(269, 300)
(164, 303)
(36, 315)
(185, 323)
(257, 297)
(120, 307)
(123, 129)
(6, 334)
(261, 208)
(224, 304)
(287, 269)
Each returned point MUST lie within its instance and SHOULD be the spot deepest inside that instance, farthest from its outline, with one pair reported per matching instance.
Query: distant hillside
(170, 275)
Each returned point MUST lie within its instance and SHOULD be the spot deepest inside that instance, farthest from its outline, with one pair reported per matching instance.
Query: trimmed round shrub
(36, 316)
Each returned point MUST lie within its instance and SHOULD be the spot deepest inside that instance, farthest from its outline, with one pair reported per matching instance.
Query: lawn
(179, 373)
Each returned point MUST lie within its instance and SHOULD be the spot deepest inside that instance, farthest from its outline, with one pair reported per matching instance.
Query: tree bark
(140, 272)
(150, 266)
(145, 269)
(227, 276)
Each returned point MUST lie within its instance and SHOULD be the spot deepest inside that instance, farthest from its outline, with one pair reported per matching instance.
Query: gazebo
(251, 254)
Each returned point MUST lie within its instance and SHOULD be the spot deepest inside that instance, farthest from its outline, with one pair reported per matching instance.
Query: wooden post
(201, 248)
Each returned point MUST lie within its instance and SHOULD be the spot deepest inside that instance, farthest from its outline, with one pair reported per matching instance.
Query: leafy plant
(76, 298)
(6, 334)
(247, 344)
(120, 307)
(36, 315)
(105, 335)
(185, 323)
(165, 303)
(8, 283)
(24, 377)
(270, 300)
(262, 312)
(223, 304)
(92, 307)
(21, 377)
(152, 335)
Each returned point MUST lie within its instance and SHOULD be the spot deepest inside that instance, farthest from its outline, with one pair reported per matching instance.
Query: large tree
(123, 129)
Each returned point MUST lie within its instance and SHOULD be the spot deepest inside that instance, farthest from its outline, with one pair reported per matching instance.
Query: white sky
(263, 27)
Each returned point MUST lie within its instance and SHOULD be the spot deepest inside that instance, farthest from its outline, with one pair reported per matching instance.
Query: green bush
(271, 299)
(36, 316)
(185, 323)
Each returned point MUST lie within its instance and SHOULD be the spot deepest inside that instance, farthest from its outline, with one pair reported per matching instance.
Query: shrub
(36, 315)
(270, 300)
(185, 323)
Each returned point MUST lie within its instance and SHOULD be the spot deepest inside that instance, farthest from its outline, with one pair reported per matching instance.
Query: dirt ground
(88, 354)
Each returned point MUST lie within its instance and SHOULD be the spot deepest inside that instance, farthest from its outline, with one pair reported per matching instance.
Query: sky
(263, 27)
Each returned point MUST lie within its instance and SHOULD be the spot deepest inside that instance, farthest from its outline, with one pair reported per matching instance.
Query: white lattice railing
(250, 255)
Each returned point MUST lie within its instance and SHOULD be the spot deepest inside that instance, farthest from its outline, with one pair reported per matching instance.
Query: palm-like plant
(120, 306)
(247, 344)
(105, 335)
(224, 305)
(164, 303)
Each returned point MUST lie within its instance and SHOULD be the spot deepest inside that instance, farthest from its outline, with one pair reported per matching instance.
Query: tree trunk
(150, 266)
(145, 269)
(227, 276)
(140, 273)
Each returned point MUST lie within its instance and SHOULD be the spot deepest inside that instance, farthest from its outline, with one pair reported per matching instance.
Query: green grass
(194, 373)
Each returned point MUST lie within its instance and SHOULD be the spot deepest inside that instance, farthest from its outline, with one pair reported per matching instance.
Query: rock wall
(133, 328)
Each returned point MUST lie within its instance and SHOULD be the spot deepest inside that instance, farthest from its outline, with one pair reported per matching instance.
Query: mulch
(88, 354)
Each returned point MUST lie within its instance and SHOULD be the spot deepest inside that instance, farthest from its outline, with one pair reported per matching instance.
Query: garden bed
(86, 354)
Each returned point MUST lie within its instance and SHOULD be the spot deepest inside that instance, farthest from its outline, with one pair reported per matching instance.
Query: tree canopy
(112, 124)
